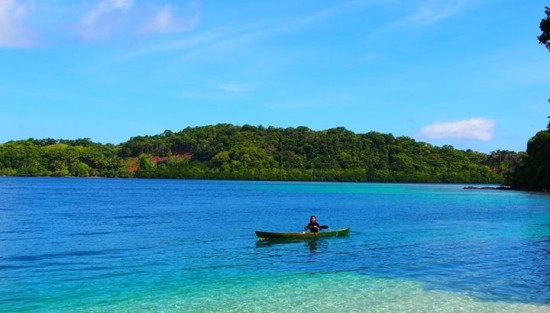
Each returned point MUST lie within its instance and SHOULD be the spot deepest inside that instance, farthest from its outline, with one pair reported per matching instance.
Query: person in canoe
(313, 226)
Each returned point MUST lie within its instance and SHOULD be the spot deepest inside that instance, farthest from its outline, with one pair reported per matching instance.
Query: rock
(487, 188)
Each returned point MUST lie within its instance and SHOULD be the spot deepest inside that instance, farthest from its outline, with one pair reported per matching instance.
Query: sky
(468, 73)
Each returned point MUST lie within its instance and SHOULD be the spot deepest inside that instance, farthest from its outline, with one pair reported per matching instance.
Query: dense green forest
(533, 172)
(227, 151)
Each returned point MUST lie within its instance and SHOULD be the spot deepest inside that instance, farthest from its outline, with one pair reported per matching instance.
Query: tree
(544, 38)
(534, 171)
(226, 151)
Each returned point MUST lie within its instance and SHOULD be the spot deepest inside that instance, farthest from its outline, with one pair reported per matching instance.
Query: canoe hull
(264, 235)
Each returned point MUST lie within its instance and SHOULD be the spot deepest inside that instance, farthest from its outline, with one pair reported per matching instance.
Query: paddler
(313, 226)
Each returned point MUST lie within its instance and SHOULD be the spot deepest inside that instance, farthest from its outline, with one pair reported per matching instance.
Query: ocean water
(128, 245)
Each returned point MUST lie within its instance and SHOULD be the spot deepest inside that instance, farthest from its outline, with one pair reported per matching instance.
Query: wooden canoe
(265, 235)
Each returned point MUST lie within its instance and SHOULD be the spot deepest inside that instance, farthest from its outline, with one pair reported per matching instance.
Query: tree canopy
(544, 37)
(533, 172)
(228, 151)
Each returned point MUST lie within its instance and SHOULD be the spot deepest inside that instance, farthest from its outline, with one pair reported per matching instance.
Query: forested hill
(233, 152)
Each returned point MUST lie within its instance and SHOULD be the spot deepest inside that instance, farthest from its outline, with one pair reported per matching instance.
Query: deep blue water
(69, 244)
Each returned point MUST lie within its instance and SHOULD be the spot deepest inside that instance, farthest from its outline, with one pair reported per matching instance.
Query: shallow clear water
(107, 245)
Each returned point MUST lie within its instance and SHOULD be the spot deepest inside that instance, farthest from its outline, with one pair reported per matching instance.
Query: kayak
(265, 235)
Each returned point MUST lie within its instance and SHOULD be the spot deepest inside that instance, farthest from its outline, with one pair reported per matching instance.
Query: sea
(140, 245)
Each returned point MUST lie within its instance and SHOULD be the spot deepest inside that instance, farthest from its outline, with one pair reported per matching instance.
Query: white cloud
(12, 31)
(167, 20)
(109, 17)
(162, 21)
(470, 129)
(100, 21)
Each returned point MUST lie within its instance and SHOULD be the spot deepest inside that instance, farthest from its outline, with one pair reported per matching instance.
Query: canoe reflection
(312, 245)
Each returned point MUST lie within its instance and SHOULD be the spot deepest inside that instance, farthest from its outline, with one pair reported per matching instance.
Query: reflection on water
(313, 244)
(320, 245)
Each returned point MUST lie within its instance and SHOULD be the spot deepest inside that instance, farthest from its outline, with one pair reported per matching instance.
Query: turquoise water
(114, 245)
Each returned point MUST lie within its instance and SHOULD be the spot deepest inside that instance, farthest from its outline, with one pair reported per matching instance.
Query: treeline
(50, 157)
(533, 171)
(227, 151)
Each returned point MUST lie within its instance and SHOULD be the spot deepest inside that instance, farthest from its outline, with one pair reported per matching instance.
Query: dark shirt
(312, 228)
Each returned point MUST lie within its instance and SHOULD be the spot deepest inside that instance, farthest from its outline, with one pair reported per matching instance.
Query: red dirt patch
(156, 159)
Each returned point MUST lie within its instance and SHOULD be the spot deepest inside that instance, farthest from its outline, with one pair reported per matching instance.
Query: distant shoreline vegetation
(226, 151)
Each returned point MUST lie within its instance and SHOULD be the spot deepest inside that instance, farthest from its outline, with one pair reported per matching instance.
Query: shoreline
(470, 185)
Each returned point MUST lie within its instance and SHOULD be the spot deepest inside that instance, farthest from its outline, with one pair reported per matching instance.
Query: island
(227, 151)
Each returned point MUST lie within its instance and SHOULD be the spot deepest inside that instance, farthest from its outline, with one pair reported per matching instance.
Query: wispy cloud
(430, 12)
(470, 129)
(219, 91)
(215, 39)
(234, 87)
(319, 101)
(169, 19)
(297, 104)
(13, 32)
(201, 96)
(111, 17)
(237, 35)
(100, 22)
(370, 56)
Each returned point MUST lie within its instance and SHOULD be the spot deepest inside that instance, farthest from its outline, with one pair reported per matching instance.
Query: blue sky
(469, 73)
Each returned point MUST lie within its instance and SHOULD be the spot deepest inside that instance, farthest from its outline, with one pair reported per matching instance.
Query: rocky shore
(488, 188)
